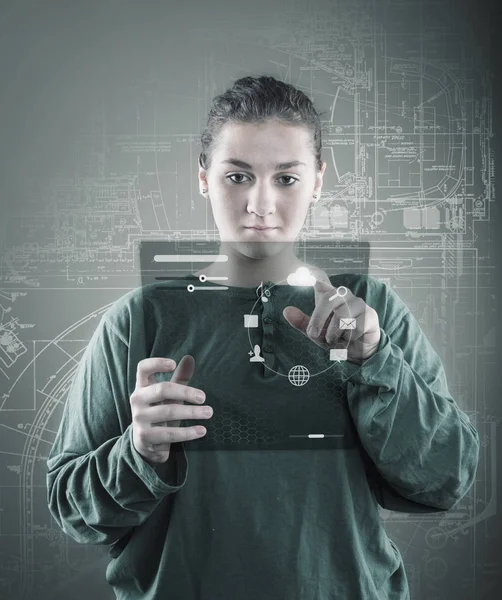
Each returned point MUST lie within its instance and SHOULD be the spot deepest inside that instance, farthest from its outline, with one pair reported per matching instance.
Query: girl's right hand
(157, 407)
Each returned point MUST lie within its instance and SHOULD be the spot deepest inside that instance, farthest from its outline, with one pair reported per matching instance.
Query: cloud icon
(301, 276)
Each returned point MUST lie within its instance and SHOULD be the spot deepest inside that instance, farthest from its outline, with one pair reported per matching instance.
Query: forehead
(270, 137)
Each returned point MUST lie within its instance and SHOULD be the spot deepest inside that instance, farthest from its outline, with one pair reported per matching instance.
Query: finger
(164, 392)
(330, 302)
(295, 317)
(179, 390)
(145, 374)
(321, 288)
(184, 371)
(356, 309)
(322, 310)
(181, 377)
(171, 435)
(159, 415)
(334, 333)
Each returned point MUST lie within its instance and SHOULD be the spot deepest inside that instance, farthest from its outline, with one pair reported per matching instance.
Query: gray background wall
(101, 104)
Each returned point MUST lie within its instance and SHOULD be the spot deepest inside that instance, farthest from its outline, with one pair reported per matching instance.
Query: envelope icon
(347, 323)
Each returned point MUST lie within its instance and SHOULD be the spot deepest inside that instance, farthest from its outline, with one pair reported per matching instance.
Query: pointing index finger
(322, 308)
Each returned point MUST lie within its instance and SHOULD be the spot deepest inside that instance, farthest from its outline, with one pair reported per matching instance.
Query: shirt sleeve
(98, 486)
(413, 431)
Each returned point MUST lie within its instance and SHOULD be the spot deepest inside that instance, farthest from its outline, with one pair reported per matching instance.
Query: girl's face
(248, 186)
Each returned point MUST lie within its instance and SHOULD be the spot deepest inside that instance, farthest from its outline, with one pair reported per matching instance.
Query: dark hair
(255, 100)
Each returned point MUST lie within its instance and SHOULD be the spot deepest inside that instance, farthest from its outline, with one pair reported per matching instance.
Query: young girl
(254, 506)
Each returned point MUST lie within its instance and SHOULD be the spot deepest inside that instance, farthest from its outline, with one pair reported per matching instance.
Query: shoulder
(128, 309)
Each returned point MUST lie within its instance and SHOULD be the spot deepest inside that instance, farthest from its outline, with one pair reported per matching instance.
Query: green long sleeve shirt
(256, 508)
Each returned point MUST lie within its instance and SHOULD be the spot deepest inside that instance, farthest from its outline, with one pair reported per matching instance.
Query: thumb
(296, 318)
(184, 370)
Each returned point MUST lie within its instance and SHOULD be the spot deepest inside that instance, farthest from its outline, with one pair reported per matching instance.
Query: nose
(261, 201)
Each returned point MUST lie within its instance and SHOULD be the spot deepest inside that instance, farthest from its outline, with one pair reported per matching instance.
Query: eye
(243, 175)
(289, 177)
(236, 175)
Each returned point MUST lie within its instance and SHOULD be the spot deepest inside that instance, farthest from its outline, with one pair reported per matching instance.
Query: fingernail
(313, 331)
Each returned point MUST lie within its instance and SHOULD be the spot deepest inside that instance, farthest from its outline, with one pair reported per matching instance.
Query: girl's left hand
(324, 329)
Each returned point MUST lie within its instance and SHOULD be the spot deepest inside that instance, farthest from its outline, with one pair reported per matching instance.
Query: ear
(202, 178)
(318, 184)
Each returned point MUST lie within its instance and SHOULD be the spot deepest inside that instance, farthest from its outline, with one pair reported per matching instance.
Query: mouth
(262, 228)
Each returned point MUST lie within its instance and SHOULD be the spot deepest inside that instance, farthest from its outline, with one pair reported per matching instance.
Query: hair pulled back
(256, 100)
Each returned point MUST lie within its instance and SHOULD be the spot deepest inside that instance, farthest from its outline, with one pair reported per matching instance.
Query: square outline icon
(250, 321)
(338, 354)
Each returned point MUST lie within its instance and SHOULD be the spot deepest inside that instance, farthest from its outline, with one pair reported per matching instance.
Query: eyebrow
(245, 165)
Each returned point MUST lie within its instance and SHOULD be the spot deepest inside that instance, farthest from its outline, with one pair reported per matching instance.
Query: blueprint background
(100, 107)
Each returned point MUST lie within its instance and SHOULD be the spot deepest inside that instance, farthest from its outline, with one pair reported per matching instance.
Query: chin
(259, 250)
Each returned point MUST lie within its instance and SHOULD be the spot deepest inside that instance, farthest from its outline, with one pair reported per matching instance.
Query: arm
(99, 486)
(416, 436)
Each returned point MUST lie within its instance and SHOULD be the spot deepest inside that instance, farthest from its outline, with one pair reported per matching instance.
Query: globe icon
(298, 375)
